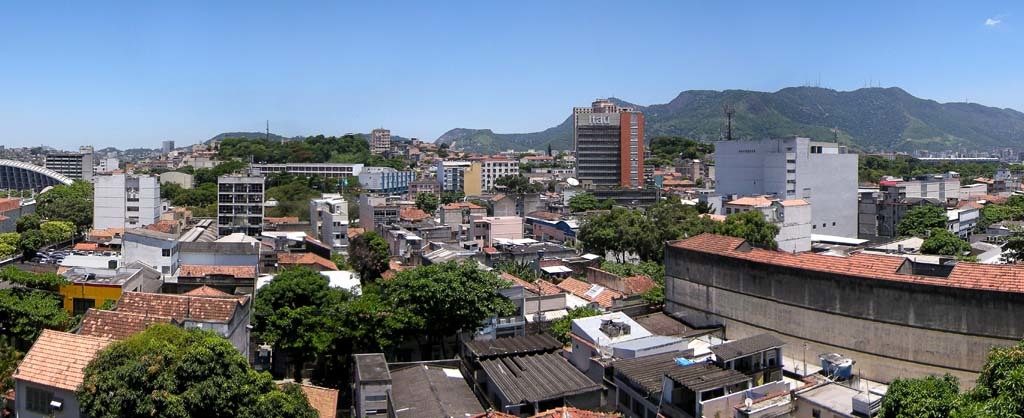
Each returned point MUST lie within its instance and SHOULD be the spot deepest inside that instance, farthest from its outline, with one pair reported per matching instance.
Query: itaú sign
(600, 119)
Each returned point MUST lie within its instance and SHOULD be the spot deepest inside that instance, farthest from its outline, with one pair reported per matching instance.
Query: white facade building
(822, 173)
(496, 169)
(155, 249)
(240, 205)
(125, 201)
(328, 220)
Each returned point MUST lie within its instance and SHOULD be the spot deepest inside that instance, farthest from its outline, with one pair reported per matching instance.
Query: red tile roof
(305, 259)
(490, 250)
(181, 307)
(209, 292)
(547, 288)
(570, 412)
(116, 325)
(238, 272)
(413, 214)
(580, 288)
(323, 400)
(165, 226)
(460, 205)
(638, 284)
(58, 359)
(993, 277)
(520, 282)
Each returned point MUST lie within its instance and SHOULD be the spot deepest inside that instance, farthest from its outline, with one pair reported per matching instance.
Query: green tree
(918, 221)
(166, 371)
(943, 242)
(9, 359)
(516, 185)
(443, 299)
(452, 197)
(57, 231)
(24, 313)
(369, 254)
(71, 203)
(931, 397)
(340, 262)
(27, 223)
(582, 202)
(9, 244)
(1013, 249)
(292, 312)
(752, 227)
(704, 207)
(561, 327)
(41, 281)
(31, 241)
(523, 271)
(427, 202)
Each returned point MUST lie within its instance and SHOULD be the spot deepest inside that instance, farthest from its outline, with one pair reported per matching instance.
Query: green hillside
(869, 119)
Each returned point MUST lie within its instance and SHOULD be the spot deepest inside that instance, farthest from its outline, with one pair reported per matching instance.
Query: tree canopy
(25, 312)
(997, 392)
(943, 242)
(666, 149)
(166, 371)
(561, 327)
(583, 202)
(918, 221)
(516, 185)
(369, 254)
(71, 203)
(751, 226)
(427, 202)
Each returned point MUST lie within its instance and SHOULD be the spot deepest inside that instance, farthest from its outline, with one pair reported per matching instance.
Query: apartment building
(240, 204)
(125, 201)
(609, 143)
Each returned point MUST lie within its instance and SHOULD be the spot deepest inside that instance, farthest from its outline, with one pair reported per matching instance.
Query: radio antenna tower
(729, 111)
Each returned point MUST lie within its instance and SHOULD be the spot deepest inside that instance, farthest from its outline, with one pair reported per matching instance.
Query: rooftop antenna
(729, 111)
(268, 129)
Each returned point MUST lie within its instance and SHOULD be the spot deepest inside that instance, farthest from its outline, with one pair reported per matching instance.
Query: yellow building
(473, 180)
(91, 288)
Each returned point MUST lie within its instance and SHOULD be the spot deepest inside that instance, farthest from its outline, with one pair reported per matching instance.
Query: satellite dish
(572, 182)
(748, 402)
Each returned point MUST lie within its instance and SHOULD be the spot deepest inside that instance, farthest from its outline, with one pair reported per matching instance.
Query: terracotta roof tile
(181, 307)
(323, 400)
(9, 203)
(570, 412)
(547, 288)
(755, 201)
(994, 277)
(520, 282)
(116, 325)
(209, 292)
(305, 259)
(238, 272)
(165, 226)
(460, 205)
(580, 288)
(413, 214)
(638, 284)
(58, 359)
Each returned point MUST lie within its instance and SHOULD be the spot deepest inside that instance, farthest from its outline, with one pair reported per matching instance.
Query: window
(165, 270)
(166, 252)
(816, 413)
(376, 397)
(80, 305)
(133, 208)
(38, 400)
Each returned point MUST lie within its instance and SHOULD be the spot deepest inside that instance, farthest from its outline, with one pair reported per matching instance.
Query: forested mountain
(868, 119)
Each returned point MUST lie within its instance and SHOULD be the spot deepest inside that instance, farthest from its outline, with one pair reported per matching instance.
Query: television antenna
(729, 111)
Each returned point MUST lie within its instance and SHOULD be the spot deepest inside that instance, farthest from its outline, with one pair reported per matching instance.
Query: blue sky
(132, 73)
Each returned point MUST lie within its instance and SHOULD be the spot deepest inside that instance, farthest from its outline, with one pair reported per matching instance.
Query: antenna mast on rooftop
(729, 111)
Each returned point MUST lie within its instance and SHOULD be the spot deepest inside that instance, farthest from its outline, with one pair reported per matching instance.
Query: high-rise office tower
(609, 143)
(380, 141)
(76, 165)
(167, 146)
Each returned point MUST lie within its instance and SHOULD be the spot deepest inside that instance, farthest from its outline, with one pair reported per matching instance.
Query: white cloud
(993, 21)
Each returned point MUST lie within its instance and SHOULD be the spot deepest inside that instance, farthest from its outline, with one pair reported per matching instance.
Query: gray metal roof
(746, 346)
(646, 372)
(705, 376)
(372, 367)
(536, 377)
(527, 344)
(430, 392)
(238, 248)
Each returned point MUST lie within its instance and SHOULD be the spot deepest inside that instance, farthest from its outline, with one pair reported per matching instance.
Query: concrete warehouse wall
(891, 328)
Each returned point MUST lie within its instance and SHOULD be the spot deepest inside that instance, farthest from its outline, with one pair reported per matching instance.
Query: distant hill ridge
(868, 119)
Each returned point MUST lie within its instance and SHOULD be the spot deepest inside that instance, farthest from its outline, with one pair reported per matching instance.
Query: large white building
(125, 201)
(385, 180)
(328, 170)
(328, 220)
(495, 169)
(822, 173)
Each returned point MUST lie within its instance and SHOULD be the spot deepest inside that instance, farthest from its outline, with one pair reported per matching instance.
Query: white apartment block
(822, 173)
(496, 169)
(328, 170)
(125, 201)
(328, 220)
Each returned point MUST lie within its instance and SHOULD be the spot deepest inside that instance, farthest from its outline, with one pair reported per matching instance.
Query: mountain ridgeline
(868, 119)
